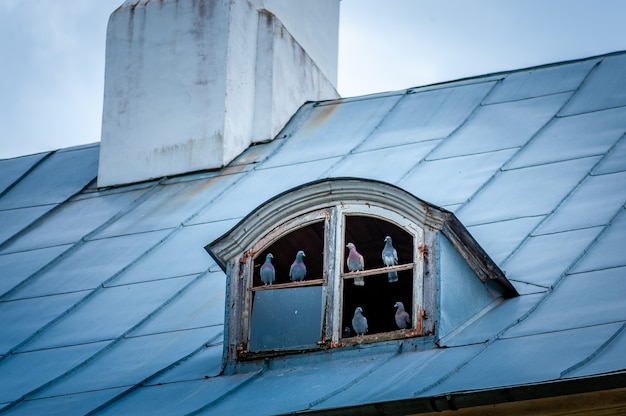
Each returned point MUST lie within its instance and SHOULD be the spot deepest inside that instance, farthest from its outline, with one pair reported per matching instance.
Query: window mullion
(334, 272)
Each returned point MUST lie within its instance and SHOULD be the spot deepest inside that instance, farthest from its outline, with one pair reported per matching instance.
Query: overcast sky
(52, 53)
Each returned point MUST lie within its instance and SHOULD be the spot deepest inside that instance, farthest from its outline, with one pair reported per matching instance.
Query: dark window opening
(377, 299)
(309, 239)
(378, 295)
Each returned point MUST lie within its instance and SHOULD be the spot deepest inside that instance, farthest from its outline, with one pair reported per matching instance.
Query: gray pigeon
(355, 263)
(298, 269)
(268, 274)
(390, 258)
(402, 317)
(359, 322)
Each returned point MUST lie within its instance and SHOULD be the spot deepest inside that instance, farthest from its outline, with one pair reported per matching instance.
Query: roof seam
(455, 370)
(516, 100)
(591, 71)
(486, 152)
(367, 136)
(556, 331)
(76, 245)
(595, 354)
(356, 379)
(460, 126)
(565, 198)
(154, 375)
(104, 349)
(596, 270)
(554, 162)
(227, 393)
(26, 173)
(561, 277)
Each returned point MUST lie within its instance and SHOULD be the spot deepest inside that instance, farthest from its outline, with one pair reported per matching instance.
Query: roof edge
(474, 399)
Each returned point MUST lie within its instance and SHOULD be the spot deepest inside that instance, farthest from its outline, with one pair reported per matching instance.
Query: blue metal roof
(109, 302)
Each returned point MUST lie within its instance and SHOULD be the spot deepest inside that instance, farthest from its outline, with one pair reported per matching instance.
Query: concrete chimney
(190, 84)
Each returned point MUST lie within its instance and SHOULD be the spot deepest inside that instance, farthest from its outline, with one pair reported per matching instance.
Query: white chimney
(190, 84)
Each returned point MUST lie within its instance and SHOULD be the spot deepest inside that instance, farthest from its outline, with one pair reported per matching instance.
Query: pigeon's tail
(392, 276)
(359, 281)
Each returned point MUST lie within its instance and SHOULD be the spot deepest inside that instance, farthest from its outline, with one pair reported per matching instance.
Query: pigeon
(390, 258)
(355, 263)
(347, 332)
(298, 269)
(268, 274)
(402, 317)
(359, 322)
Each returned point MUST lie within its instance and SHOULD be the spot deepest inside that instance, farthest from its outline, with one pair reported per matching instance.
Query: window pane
(286, 318)
(379, 293)
(309, 239)
(377, 298)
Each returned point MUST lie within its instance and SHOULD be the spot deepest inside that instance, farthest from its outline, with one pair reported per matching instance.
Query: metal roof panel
(131, 361)
(263, 184)
(286, 390)
(55, 179)
(182, 253)
(501, 238)
(24, 373)
(489, 326)
(573, 137)
(501, 126)
(593, 203)
(88, 265)
(537, 82)
(453, 180)
(427, 115)
(608, 251)
(525, 192)
(75, 404)
(567, 311)
(116, 310)
(607, 359)
(407, 374)
(22, 319)
(201, 304)
(332, 130)
(524, 360)
(92, 212)
(179, 398)
(15, 168)
(168, 206)
(605, 87)
(614, 161)
(17, 267)
(546, 267)
(206, 363)
(15, 220)
(383, 164)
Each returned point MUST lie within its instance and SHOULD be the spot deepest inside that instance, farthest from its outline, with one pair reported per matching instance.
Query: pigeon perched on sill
(390, 258)
(297, 272)
(268, 274)
(402, 317)
(359, 322)
(346, 332)
(355, 263)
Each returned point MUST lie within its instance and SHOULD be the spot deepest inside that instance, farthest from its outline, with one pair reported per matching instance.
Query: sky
(52, 53)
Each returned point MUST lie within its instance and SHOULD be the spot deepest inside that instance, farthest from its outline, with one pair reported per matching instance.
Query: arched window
(323, 221)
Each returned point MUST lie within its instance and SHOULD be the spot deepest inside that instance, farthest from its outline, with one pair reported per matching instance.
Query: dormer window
(277, 311)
